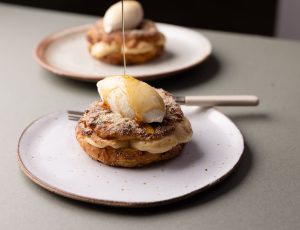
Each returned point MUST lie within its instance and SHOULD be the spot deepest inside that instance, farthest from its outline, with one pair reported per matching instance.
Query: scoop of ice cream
(132, 98)
(133, 16)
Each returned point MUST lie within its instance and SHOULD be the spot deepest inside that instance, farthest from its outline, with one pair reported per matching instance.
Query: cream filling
(102, 143)
(102, 49)
(183, 133)
(142, 47)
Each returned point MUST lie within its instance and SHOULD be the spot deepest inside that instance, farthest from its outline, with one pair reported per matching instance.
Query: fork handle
(221, 100)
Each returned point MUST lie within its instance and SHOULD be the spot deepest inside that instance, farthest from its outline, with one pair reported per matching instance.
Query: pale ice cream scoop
(133, 16)
(132, 98)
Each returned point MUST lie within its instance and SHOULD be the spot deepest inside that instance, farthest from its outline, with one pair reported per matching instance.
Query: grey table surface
(263, 191)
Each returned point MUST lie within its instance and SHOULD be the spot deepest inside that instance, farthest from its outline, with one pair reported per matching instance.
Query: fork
(204, 101)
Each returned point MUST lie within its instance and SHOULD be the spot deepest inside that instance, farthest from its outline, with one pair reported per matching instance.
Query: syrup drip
(149, 128)
(123, 39)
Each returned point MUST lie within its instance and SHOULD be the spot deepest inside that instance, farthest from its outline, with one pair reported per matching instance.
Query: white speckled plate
(49, 155)
(65, 53)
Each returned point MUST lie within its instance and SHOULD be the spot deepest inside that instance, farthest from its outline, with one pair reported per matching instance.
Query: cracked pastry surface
(119, 141)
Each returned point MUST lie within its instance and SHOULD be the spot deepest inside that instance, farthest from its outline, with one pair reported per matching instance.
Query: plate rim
(112, 203)
(40, 57)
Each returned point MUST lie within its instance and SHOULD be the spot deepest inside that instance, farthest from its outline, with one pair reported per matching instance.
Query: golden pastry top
(101, 121)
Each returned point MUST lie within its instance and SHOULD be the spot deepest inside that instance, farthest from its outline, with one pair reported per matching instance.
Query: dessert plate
(65, 53)
(48, 153)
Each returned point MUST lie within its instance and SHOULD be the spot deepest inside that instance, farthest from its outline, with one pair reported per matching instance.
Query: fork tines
(74, 115)
(73, 112)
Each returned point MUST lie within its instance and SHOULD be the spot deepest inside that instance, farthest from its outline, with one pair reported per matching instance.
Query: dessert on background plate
(133, 125)
(143, 41)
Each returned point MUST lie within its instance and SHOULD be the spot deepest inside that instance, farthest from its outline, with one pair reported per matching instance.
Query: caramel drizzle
(123, 39)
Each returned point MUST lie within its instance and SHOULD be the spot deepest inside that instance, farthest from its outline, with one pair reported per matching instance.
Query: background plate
(49, 154)
(65, 53)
